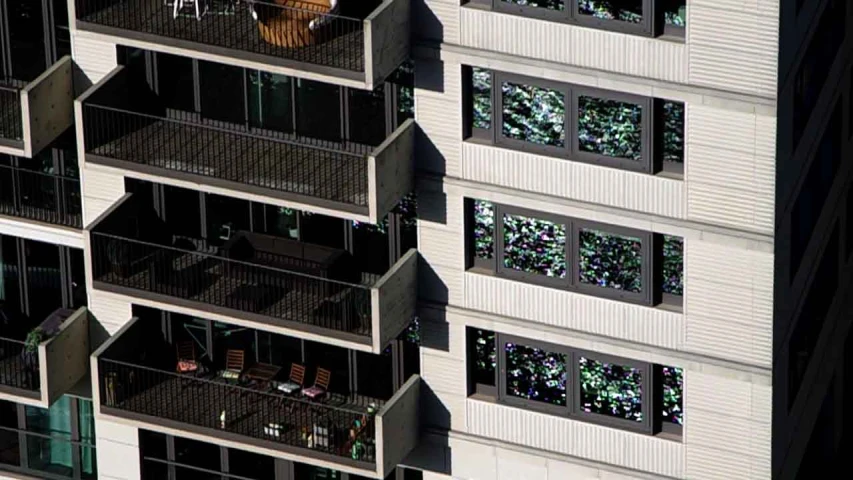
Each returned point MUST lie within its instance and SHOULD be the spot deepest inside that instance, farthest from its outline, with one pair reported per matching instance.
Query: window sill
(667, 307)
(487, 143)
(668, 436)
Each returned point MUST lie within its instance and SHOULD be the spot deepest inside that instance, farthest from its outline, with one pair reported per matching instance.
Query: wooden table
(262, 373)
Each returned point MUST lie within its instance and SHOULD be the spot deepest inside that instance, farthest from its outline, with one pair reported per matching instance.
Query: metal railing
(19, 368)
(40, 196)
(287, 32)
(232, 284)
(217, 406)
(307, 167)
(11, 123)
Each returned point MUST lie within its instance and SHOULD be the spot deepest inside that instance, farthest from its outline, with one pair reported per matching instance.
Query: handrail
(229, 260)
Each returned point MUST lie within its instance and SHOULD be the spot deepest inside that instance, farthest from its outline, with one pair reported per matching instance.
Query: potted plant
(31, 347)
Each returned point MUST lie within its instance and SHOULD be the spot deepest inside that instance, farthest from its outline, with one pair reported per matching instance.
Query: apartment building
(421, 239)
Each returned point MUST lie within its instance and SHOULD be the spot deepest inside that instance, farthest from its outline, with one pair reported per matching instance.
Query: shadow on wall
(427, 27)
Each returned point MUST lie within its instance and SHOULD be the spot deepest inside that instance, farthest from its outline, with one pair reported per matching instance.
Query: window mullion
(573, 268)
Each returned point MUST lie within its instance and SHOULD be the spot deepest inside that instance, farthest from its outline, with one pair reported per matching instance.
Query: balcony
(38, 371)
(342, 179)
(135, 383)
(270, 283)
(354, 44)
(33, 114)
(40, 197)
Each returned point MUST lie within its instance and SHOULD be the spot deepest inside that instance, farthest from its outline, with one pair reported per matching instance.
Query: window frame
(652, 123)
(646, 125)
(501, 371)
(652, 25)
(651, 252)
(652, 424)
(646, 385)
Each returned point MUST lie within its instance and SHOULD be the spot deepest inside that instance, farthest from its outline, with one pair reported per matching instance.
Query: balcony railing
(268, 294)
(11, 123)
(40, 196)
(19, 368)
(364, 47)
(178, 147)
(219, 409)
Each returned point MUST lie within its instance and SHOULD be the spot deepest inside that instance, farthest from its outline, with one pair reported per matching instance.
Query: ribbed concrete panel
(444, 374)
(101, 188)
(438, 100)
(439, 20)
(95, 58)
(734, 45)
(578, 181)
(728, 302)
(109, 310)
(441, 246)
(585, 440)
(573, 45)
(559, 308)
(731, 168)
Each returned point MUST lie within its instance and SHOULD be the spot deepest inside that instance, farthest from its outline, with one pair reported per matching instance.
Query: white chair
(179, 5)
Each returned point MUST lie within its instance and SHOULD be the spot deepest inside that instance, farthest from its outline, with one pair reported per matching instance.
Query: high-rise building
(425, 239)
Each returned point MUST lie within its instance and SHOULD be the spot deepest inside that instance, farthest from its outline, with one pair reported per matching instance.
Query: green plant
(34, 339)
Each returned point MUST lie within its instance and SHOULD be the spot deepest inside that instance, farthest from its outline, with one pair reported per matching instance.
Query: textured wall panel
(734, 45)
(101, 189)
(437, 20)
(583, 47)
(727, 427)
(95, 58)
(575, 180)
(438, 111)
(731, 168)
(559, 308)
(441, 246)
(728, 302)
(585, 440)
(109, 310)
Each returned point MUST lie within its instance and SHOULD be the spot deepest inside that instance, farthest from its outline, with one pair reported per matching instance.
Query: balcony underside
(288, 171)
(285, 306)
(234, 35)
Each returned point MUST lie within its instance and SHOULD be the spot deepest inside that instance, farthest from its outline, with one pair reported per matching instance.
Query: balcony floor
(200, 404)
(285, 167)
(218, 289)
(237, 31)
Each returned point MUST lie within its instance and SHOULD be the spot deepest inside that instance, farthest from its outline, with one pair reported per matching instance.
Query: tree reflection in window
(558, 5)
(673, 393)
(533, 114)
(534, 246)
(481, 81)
(610, 389)
(610, 261)
(485, 357)
(484, 229)
(673, 265)
(675, 12)
(535, 374)
(610, 127)
(673, 132)
(624, 10)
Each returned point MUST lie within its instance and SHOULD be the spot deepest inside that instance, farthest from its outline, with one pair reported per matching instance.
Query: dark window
(270, 101)
(220, 92)
(848, 248)
(816, 186)
(26, 39)
(62, 34)
(583, 124)
(622, 10)
(185, 217)
(318, 110)
(197, 454)
(816, 63)
(44, 278)
(250, 465)
(573, 254)
(59, 441)
(225, 217)
(812, 316)
(367, 116)
(570, 382)
(176, 84)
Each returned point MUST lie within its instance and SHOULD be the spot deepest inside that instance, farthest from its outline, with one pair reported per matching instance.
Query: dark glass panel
(673, 395)
(318, 110)
(535, 374)
(611, 389)
(375, 374)
(175, 82)
(481, 82)
(332, 358)
(221, 92)
(484, 229)
(534, 246)
(630, 11)
(197, 454)
(270, 101)
(251, 465)
(44, 279)
(610, 127)
(534, 114)
(367, 116)
(225, 217)
(673, 265)
(26, 39)
(183, 211)
(610, 261)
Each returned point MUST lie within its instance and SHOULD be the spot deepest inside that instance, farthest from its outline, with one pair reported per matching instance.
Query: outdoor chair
(187, 361)
(321, 385)
(180, 5)
(234, 365)
(294, 383)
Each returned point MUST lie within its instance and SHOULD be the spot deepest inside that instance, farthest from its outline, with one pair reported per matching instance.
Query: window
(816, 186)
(816, 63)
(54, 443)
(575, 383)
(589, 125)
(588, 257)
(629, 16)
(812, 315)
